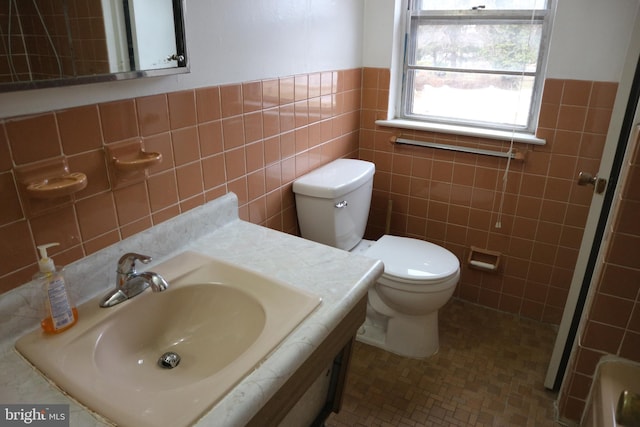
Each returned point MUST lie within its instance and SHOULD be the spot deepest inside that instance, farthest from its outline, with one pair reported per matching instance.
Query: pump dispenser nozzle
(45, 263)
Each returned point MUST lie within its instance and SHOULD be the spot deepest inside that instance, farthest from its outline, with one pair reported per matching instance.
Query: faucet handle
(127, 262)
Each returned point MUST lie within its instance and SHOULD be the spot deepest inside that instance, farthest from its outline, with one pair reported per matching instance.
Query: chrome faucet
(130, 283)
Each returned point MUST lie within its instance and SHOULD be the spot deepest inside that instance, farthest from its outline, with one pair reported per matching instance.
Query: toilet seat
(409, 262)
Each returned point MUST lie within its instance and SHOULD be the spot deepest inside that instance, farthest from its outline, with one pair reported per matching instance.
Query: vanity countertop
(341, 279)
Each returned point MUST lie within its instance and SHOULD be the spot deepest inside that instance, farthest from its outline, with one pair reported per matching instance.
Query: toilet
(332, 204)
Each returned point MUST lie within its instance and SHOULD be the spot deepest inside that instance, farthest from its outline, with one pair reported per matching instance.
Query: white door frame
(587, 266)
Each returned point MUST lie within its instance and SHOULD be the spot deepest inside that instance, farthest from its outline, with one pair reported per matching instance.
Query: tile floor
(489, 372)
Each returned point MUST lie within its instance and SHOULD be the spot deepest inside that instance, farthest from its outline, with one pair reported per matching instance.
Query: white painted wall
(231, 41)
(378, 32)
(589, 39)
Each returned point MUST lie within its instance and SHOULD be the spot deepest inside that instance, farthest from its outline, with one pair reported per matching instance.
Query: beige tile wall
(255, 138)
(453, 199)
(252, 138)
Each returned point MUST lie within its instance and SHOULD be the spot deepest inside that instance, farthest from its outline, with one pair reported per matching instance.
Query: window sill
(501, 135)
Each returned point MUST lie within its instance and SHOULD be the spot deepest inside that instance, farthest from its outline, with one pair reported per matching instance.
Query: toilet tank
(333, 202)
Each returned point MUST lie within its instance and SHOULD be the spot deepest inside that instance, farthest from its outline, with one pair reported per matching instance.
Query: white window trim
(501, 135)
(395, 95)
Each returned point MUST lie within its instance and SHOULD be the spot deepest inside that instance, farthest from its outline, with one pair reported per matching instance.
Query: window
(475, 64)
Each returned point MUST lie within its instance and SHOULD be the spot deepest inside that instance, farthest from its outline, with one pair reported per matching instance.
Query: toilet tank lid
(413, 259)
(334, 179)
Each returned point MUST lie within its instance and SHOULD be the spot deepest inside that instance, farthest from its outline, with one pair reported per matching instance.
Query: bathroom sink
(208, 325)
(221, 320)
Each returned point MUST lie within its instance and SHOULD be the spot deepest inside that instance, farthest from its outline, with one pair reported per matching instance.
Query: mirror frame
(181, 57)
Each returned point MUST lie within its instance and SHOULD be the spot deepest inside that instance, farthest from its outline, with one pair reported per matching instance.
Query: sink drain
(169, 360)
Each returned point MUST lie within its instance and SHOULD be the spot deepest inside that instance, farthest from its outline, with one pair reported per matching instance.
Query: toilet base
(408, 336)
(371, 334)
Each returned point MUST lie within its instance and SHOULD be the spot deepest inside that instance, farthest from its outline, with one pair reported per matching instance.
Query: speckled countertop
(341, 279)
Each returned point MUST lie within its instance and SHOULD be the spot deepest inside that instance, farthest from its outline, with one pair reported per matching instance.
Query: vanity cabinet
(332, 355)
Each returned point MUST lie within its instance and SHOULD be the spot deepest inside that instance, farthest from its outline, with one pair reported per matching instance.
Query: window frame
(414, 17)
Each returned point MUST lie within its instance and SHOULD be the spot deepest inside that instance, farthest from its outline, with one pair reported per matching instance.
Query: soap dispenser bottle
(60, 312)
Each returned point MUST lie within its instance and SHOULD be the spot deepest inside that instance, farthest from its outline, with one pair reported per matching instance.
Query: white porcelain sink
(221, 319)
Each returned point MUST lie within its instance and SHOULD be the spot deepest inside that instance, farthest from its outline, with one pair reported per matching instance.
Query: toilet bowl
(419, 278)
(332, 204)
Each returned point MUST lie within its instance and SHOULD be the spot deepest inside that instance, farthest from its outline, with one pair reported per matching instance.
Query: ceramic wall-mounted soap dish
(48, 184)
(142, 160)
(58, 186)
(129, 162)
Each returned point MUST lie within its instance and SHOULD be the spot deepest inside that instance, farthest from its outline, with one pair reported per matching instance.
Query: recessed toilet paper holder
(484, 259)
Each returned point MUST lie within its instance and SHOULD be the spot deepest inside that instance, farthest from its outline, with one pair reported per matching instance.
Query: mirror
(46, 43)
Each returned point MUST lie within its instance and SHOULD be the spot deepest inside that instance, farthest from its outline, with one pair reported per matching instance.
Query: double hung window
(474, 64)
